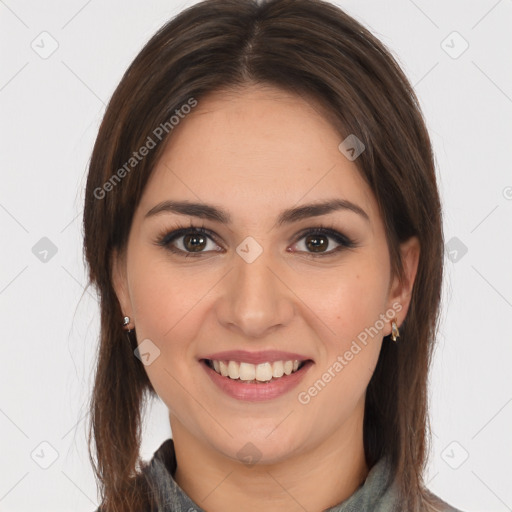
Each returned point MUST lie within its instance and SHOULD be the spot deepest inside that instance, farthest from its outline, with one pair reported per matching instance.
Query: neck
(313, 480)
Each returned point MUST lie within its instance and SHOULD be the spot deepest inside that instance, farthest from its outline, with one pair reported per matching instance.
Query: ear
(120, 282)
(400, 293)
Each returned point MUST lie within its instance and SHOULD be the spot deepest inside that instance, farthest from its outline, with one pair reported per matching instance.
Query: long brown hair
(314, 49)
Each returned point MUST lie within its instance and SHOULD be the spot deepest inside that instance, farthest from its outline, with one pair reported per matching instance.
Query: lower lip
(257, 392)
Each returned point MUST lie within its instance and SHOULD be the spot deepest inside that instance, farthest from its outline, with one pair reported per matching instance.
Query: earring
(395, 333)
(130, 333)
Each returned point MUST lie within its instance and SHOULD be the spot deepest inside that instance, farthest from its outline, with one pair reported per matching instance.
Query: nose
(256, 300)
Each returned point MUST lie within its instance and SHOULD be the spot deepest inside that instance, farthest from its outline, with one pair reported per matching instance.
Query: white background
(50, 113)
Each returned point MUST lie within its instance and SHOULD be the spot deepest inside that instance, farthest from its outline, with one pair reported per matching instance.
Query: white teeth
(262, 372)
(233, 370)
(247, 371)
(223, 369)
(277, 369)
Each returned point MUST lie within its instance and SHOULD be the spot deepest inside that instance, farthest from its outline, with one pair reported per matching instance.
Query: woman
(262, 220)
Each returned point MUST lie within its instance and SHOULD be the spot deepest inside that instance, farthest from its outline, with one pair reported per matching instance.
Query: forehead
(255, 152)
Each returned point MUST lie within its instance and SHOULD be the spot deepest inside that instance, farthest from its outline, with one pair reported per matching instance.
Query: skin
(254, 153)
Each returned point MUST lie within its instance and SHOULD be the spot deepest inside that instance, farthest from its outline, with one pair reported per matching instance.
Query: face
(260, 280)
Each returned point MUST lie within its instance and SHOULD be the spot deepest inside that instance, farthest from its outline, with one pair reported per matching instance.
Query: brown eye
(323, 242)
(189, 242)
(194, 242)
(317, 243)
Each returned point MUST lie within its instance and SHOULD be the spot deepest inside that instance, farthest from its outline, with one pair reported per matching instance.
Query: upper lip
(255, 357)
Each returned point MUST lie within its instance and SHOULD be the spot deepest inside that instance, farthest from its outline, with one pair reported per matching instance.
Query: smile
(255, 373)
(256, 382)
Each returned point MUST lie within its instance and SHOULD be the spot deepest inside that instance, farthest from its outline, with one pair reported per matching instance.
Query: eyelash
(166, 237)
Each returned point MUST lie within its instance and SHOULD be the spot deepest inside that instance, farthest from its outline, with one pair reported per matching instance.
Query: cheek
(350, 304)
(351, 298)
(167, 306)
(350, 355)
(164, 298)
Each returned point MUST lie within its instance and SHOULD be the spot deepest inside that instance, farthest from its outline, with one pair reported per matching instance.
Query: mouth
(262, 373)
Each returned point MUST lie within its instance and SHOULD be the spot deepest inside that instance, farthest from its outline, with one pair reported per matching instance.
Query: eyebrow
(213, 213)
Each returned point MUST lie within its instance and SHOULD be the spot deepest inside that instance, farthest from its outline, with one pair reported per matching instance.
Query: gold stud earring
(395, 333)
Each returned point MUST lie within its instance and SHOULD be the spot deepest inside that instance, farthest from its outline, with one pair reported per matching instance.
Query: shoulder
(436, 504)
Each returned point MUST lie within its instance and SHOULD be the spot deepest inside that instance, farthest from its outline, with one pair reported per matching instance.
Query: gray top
(369, 497)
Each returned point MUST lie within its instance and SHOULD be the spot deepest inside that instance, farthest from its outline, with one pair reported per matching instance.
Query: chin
(254, 448)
